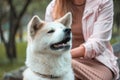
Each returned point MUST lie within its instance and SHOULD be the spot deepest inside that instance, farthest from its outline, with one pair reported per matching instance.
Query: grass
(5, 65)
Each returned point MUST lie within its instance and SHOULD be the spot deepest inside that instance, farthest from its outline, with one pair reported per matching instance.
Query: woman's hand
(78, 51)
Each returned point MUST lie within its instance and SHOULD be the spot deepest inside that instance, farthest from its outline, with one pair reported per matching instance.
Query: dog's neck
(47, 63)
(46, 76)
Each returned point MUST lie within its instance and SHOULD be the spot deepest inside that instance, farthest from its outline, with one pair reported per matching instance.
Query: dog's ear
(34, 25)
(66, 19)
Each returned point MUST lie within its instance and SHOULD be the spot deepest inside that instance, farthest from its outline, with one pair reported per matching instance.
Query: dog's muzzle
(64, 43)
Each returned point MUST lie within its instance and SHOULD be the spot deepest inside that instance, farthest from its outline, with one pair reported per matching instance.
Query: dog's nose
(67, 30)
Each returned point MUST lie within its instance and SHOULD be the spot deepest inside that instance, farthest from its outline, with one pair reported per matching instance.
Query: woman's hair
(61, 7)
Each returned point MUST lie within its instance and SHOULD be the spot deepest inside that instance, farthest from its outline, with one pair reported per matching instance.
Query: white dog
(48, 50)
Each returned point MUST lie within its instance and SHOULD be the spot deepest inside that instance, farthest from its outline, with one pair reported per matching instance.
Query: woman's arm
(98, 42)
(78, 52)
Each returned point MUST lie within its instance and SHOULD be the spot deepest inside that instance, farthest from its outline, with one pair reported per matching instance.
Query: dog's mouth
(62, 44)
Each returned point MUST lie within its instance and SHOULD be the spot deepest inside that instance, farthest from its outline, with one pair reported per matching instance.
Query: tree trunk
(11, 51)
(11, 44)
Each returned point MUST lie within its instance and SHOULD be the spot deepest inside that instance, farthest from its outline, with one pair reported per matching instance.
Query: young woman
(92, 54)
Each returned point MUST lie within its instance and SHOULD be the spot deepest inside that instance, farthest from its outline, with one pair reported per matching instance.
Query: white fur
(40, 57)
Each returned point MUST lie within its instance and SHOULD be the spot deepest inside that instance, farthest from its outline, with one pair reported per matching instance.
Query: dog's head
(50, 36)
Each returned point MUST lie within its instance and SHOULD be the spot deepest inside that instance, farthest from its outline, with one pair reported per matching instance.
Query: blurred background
(14, 16)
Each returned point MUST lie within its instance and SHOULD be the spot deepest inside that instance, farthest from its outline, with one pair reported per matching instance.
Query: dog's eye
(51, 31)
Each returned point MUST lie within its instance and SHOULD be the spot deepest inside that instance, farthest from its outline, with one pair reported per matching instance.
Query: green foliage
(38, 7)
(18, 5)
(5, 65)
(116, 6)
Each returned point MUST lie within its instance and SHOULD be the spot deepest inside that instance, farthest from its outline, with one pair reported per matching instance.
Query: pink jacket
(97, 25)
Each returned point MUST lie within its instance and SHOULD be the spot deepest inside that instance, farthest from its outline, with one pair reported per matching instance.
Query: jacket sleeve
(99, 41)
(49, 9)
